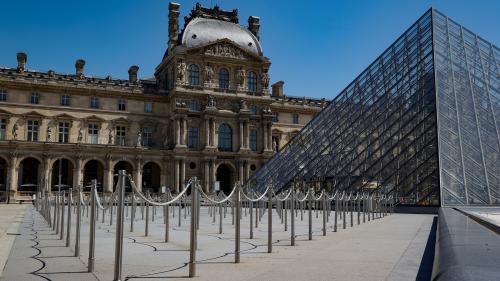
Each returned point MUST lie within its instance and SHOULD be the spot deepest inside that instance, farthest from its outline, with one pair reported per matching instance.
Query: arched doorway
(29, 175)
(225, 176)
(62, 174)
(3, 180)
(122, 165)
(151, 177)
(93, 170)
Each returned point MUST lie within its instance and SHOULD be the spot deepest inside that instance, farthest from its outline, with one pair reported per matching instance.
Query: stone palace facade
(206, 113)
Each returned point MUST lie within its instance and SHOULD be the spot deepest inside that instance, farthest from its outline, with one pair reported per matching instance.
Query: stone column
(13, 175)
(177, 131)
(206, 176)
(247, 135)
(241, 170)
(163, 174)
(212, 173)
(269, 136)
(242, 145)
(184, 131)
(264, 139)
(212, 133)
(247, 170)
(207, 133)
(176, 175)
(46, 173)
(137, 174)
(108, 176)
(78, 173)
(183, 173)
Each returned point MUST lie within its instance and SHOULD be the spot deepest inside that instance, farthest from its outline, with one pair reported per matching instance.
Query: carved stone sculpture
(240, 77)
(80, 135)
(243, 104)
(208, 74)
(110, 136)
(181, 71)
(264, 79)
(211, 101)
(275, 145)
(49, 133)
(14, 131)
(139, 138)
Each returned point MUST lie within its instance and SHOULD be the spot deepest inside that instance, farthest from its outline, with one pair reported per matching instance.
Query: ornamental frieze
(224, 50)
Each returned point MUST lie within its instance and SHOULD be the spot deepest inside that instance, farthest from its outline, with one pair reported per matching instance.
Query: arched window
(223, 78)
(225, 137)
(194, 75)
(252, 81)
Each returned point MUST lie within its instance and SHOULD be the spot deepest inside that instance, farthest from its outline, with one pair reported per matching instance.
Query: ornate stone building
(207, 113)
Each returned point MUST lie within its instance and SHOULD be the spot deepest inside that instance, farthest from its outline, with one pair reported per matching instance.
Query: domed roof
(202, 31)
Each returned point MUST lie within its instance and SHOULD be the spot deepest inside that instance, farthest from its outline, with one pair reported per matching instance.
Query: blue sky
(316, 47)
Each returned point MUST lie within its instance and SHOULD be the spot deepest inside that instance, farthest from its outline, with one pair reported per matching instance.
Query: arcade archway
(225, 177)
(93, 170)
(62, 174)
(29, 175)
(151, 177)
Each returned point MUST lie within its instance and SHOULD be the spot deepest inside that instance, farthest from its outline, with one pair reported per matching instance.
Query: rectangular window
(253, 140)
(63, 131)
(148, 106)
(295, 118)
(93, 133)
(3, 95)
(3, 126)
(65, 100)
(193, 137)
(32, 130)
(94, 102)
(34, 98)
(147, 136)
(120, 135)
(193, 105)
(122, 105)
(275, 117)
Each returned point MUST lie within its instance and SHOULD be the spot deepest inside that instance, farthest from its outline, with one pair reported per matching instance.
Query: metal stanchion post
(220, 218)
(146, 225)
(292, 218)
(78, 222)
(167, 211)
(344, 207)
(238, 224)
(270, 220)
(132, 211)
(68, 224)
(285, 214)
(192, 237)
(119, 226)
(92, 226)
(324, 214)
(351, 209)
(309, 203)
(336, 213)
(250, 202)
(61, 233)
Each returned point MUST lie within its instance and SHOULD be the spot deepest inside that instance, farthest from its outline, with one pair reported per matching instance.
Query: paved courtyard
(390, 248)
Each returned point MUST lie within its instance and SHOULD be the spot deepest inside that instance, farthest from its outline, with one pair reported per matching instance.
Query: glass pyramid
(421, 123)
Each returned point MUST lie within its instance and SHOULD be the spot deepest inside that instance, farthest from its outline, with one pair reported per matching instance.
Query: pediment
(225, 48)
(63, 116)
(34, 114)
(120, 120)
(94, 118)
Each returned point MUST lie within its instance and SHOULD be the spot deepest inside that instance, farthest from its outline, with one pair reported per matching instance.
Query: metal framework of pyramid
(421, 123)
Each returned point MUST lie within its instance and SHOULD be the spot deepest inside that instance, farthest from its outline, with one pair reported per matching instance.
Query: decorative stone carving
(110, 135)
(224, 50)
(80, 135)
(240, 77)
(14, 131)
(181, 72)
(51, 73)
(208, 74)
(243, 104)
(264, 79)
(180, 103)
(275, 145)
(211, 101)
(139, 138)
(49, 133)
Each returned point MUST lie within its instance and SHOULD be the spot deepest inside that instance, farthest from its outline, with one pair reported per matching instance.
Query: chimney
(79, 64)
(254, 25)
(277, 89)
(132, 73)
(173, 25)
(21, 62)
